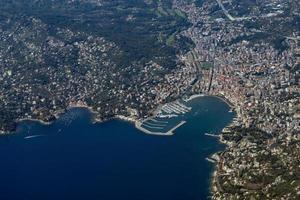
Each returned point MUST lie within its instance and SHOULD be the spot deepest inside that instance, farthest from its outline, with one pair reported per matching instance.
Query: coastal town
(47, 67)
(261, 80)
(248, 54)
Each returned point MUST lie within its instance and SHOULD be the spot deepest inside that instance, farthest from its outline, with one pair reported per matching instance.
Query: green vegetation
(171, 39)
(144, 30)
(207, 65)
(92, 51)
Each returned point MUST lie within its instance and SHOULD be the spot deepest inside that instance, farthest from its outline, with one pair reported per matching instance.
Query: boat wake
(33, 136)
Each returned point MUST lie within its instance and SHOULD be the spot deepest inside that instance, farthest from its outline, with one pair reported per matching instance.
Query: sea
(76, 159)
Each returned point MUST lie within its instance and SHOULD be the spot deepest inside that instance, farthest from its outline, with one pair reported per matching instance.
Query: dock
(177, 126)
(139, 125)
(210, 160)
(175, 108)
(212, 135)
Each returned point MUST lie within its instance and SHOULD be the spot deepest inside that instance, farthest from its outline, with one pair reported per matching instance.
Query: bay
(74, 158)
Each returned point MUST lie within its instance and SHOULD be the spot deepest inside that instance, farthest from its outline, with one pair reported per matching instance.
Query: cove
(76, 159)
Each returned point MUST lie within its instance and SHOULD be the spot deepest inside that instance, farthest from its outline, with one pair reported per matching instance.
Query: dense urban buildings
(127, 57)
(254, 48)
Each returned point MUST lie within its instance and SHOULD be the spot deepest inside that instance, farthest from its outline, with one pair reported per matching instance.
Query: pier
(175, 108)
(167, 118)
(158, 130)
(177, 126)
(212, 135)
(210, 160)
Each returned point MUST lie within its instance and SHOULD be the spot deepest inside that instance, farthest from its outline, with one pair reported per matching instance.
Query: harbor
(171, 116)
(167, 119)
(112, 159)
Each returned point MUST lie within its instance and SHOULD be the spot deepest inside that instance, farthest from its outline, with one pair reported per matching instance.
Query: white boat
(167, 116)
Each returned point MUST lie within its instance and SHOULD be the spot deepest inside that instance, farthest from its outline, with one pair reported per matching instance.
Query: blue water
(76, 159)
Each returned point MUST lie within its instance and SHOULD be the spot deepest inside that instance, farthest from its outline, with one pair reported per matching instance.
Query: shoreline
(213, 188)
(137, 123)
(58, 113)
(224, 99)
(194, 96)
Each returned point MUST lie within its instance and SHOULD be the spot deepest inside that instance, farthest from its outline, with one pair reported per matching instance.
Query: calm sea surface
(76, 159)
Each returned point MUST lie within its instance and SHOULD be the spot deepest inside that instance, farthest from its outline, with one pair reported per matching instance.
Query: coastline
(130, 119)
(213, 186)
(213, 175)
(183, 143)
(126, 118)
(35, 120)
(224, 99)
(194, 96)
(57, 114)
(60, 112)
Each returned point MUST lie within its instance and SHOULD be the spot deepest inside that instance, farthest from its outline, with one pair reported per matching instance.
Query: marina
(169, 117)
(78, 158)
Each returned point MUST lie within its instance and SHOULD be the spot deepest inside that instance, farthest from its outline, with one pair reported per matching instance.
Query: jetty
(212, 135)
(159, 122)
(157, 129)
(175, 127)
(210, 160)
(154, 124)
(152, 127)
